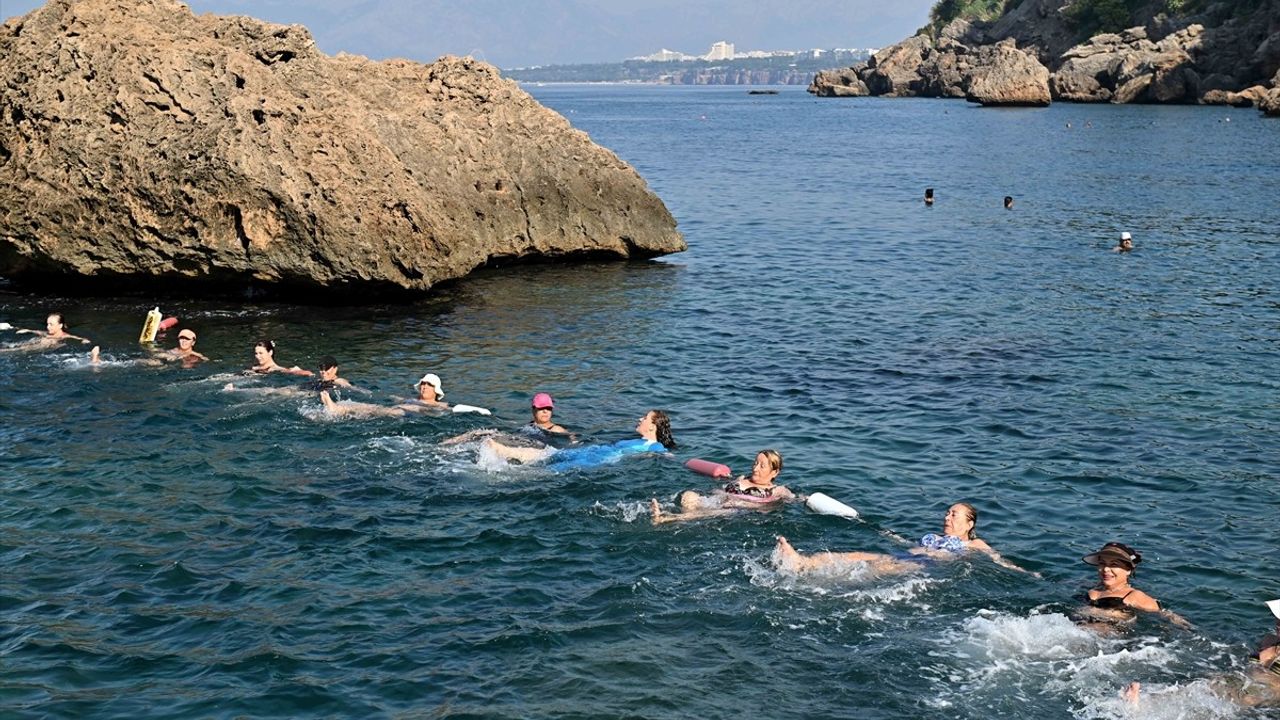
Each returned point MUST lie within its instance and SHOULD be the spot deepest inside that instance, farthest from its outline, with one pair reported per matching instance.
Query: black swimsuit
(1109, 603)
(751, 491)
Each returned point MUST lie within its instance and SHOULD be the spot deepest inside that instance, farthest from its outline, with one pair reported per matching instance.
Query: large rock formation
(1226, 53)
(140, 143)
(999, 74)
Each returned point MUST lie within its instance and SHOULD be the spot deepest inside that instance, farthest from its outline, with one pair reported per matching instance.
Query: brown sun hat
(1117, 553)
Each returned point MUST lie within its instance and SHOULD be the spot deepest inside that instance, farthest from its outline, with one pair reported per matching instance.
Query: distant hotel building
(725, 51)
(720, 51)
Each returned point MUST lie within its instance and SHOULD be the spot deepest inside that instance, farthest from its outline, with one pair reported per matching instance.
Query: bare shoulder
(1142, 601)
(980, 545)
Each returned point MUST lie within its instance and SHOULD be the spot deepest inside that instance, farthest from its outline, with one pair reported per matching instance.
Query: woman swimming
(755, 492)
(959, 537)
(264, 356)
(654, 428)
(1113, 602)
(53, 335)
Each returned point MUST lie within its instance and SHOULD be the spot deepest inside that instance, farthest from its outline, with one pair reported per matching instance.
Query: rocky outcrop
(1004, 75)
(1129, 67)
(1214, 56)
(1270, 103)
(998, 74)
(141, 144)
(838, 83)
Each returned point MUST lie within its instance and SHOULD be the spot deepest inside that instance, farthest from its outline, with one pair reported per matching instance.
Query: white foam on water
(1194, 700)
(628, 511)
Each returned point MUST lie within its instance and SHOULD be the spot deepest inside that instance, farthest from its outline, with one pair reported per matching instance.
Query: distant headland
(722, 64)
(1030, 52)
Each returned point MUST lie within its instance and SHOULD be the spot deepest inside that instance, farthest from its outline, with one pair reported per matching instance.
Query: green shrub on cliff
(944, 11)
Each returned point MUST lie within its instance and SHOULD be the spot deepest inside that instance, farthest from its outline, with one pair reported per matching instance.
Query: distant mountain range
(788, 69)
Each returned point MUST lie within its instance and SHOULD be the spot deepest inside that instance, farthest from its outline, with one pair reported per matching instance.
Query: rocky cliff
(1222, 52)
(142, 145)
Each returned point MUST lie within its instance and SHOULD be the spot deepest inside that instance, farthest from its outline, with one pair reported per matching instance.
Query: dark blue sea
(172, 549)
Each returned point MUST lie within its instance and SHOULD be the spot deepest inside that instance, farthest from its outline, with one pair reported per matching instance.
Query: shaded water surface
(172, 549)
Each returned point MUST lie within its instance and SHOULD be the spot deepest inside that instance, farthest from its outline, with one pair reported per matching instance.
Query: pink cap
(542, 400)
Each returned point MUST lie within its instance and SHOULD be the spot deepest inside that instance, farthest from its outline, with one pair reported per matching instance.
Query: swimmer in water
(542, 407)
(184, 353)
(1008, 202)
(1113, 603)
(429, 394)
(654, 429)
(1261, 687)
(264, 356)
(959, 537)
(755, 492)
(52, 336)
(1126, 243)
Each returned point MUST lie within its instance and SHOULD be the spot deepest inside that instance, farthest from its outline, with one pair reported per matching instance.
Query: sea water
(174, 549)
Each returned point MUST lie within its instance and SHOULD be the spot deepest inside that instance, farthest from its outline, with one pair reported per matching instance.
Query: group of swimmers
(1112, 604)
(1126, 239)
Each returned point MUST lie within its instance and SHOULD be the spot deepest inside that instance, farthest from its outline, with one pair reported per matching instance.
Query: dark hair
(1134, 555)
(662, 425)
(268, 345)
(972, 512)
(1008, 200)
(61, 320)
(928, 192)
(327, 362)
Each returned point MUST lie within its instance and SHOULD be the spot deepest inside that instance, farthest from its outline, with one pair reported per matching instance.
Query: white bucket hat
(1125, 236)
(433, 380)
(1275, 607)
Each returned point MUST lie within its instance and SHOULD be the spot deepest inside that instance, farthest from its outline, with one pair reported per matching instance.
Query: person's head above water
(54, 324)
(657, 423)
(961, 521)
(264, 351)
(431, 381)
(328, 368)
(768, 465)
(1126, 241)
(928, 196)
(1008, 202)
(1115, 562)
(542, 401)
(186, 338)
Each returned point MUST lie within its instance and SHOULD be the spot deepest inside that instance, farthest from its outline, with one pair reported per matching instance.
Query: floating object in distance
(460, 408)
(150, 326)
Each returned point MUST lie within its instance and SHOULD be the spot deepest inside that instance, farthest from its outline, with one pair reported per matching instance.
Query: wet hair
(268, 345)
(928, 193)
(662, 424)
(61, 320)
(971, 513)
(1008, 201)
(774, 457)
(327, 362)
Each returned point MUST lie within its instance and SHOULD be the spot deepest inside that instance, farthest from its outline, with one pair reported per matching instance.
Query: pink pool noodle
(706, 467)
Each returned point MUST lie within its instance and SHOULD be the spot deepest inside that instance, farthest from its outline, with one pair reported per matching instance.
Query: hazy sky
(511, 33)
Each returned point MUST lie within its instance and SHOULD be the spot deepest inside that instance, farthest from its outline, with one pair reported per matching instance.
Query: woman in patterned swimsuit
(958, 537)
(757, 492)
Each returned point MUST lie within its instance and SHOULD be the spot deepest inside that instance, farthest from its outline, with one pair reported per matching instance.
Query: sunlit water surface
(171, 549)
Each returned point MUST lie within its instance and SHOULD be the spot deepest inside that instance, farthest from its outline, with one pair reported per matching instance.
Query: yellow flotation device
(150, 327)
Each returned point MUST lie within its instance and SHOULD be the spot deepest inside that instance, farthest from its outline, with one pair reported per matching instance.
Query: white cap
(1125, 236)
(1275, 607)
(433, 380)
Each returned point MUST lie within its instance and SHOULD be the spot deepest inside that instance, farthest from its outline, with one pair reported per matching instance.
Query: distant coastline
(792, 69)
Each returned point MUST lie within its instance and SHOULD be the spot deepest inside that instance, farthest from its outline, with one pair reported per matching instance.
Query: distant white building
(720, 51)
(665, 55)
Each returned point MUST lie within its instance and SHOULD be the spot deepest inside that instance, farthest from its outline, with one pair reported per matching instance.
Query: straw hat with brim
(1114, 554)
(1275, 607)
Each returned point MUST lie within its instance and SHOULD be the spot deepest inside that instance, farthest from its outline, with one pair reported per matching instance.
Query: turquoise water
(171, 549)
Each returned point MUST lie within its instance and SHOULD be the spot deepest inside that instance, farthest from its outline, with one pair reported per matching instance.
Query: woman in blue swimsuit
(654, 429)
(958, 537)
